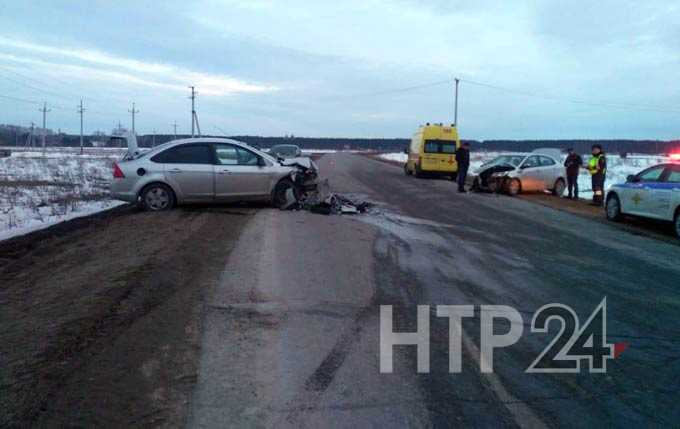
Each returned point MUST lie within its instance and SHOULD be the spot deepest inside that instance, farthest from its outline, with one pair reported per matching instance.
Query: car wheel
(492, 184)
(613, 208)
(676, 223)
(514, 187)
(558, 189)
(279, 199)
(157, 197)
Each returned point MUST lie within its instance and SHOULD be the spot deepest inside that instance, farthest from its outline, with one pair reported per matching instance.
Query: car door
(188, 168)
(530, 174)
(638, 200)
(549, 171)
(673, 182)
(240, 173)
(664, 193)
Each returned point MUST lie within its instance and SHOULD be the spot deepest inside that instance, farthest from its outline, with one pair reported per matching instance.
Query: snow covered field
(618, 168)
(38, 190)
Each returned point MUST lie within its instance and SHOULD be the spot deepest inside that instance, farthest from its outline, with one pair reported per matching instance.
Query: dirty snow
(40, 189)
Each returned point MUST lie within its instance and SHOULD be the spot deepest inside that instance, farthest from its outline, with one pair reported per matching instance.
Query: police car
(652, 193)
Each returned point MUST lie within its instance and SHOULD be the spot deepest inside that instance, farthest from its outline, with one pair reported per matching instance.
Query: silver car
(522, 172)
(207, 170)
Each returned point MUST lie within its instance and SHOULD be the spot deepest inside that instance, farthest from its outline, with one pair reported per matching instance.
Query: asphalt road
(291, 336)
(248, 316)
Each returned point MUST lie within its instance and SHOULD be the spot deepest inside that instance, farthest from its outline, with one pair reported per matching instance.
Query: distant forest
(10, 136)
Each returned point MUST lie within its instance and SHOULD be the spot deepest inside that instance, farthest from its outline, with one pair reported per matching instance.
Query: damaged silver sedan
(200, 170)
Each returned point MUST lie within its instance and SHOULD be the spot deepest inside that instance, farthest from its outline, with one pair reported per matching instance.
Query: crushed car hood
(303, 162)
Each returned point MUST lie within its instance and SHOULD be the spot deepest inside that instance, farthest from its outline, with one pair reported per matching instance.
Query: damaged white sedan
(200, 170)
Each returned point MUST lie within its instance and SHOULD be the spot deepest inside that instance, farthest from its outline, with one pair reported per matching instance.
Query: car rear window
(185, 154)
(545, 161)
(440, 146)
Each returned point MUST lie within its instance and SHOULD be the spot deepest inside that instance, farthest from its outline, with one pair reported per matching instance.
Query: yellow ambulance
(433, 151)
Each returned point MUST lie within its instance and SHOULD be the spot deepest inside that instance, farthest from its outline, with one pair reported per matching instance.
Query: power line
(617, 105)
(43, 83)
(220, 130)
(395, 90)
(21, 100)
(34, 88)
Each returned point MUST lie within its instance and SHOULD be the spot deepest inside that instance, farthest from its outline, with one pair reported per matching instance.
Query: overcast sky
(576, 69)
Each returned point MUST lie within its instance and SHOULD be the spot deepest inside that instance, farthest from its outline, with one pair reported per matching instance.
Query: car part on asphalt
(322, 201)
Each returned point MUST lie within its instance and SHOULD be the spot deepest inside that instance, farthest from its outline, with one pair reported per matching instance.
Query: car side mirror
(632, 179)
(261, 162)
(406, 151)
(524, 166)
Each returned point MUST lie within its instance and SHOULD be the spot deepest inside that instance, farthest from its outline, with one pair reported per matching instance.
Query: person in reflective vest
(597, 167)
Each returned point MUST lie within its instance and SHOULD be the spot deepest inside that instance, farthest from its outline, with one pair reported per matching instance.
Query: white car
(653, 193)
(537, 171)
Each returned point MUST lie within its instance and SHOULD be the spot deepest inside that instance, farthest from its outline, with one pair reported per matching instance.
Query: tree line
(11, 136)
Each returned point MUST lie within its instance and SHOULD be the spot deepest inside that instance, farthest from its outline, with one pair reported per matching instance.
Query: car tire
(613, 208)
(559, 188)
(513, 187)
(419, 172)
(279, 193)
(676, 223)
(157, 197)
(491, 185)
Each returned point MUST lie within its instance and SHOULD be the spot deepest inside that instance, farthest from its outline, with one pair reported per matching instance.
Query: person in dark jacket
(463, 160)
(573, 163)
(597, 167)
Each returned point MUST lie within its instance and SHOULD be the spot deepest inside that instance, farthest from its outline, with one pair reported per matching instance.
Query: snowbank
(38, 190)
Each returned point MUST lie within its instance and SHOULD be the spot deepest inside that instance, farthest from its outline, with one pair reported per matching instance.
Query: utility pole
(134, 112)
(193, 109)
(174, 127)
(194, 115)
(44, 111)
(29, 140)
(81, 110)
(455, 111)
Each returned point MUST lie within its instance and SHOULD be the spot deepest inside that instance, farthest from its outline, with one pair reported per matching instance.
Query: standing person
(573, 163)
(597, 167)
(463, 160)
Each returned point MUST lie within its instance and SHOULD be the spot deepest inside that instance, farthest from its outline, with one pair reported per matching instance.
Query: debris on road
(321, 200)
